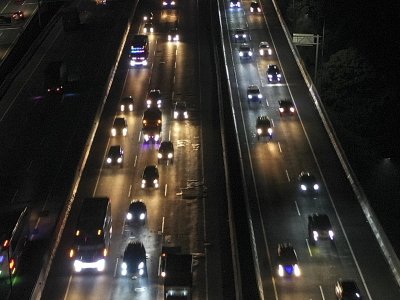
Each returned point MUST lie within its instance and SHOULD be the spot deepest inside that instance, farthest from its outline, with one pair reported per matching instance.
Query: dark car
(166, 152)
(148, 27)
(263, 127)
(134, 260)
(165, 251)
(273, 73)
(173, 35)
(255, 7)
(120, 127)
(150, 177)
(239, 35)
(18, 15)
(115, 156)
(234, 3)
(308, 182)
(253, 93)
(148, 17)
(126, 104)
(288, 264)
(245, 51)
(347, 290)
(180, 111)
(137, 212)
(319, 228)
(286, 107)
(168, 3)
(154, 99)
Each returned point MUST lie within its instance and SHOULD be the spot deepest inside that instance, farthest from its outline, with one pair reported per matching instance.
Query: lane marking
(322, 292)
(165, 190)
(280, 150)
(116, 268)
(134, 164)
(162, 225)
(287, 175)
(297, 207)
(309, 248)
(68, 286)
(130, 190)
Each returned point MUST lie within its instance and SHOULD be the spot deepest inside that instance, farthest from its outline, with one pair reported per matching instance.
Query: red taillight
(6, 243)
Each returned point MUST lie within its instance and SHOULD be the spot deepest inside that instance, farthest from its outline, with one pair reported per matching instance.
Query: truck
(92, 235)
(60, 77)
(13, 236)
(70, 19)
(178, 279)
(139, 50)
(151, 122)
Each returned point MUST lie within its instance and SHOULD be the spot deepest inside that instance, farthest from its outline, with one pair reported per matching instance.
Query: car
(115, 156)
(120, 127)
(288, 264)
(148, 27)
(134, 260)
(180, 111)
(286, 107)
(166, 152)
(168, 3)
(126, 104)
(239, 35)
(150, 177)
(165, 251)
(148, 17)
(253, 93)
(273, 73)
(154, 99)
(173, 35)
(234, 3)
(255, 7)
(245, 51)
(347, 290)
(307, 182)
(18, 15)
(263, 127)
(319, 228)
(264, 49)
(137, 212)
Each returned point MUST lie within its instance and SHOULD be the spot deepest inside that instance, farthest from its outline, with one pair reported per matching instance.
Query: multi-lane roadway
(279, 210)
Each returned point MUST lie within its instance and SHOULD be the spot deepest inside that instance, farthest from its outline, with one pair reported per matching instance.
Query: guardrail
(376, 227)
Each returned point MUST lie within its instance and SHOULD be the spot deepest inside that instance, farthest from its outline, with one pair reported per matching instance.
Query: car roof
(150, 169)
(239, 30)
(253, 87)
(321, 220)
(134, 249)
(263, 120)
(244, 46)
(253, 3)
(264, 43)
(119, 121)
(139, 204)
(349, 286)
(180, 105)
(285, 102)
(166, 145)
(127, 99)
(115, 149)
(287, 253)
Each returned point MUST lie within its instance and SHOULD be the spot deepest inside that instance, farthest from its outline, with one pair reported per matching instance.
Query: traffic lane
(341, 192)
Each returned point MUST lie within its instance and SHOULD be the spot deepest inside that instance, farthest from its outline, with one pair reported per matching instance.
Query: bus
(139, 50)
(13, 235)
(92, 235)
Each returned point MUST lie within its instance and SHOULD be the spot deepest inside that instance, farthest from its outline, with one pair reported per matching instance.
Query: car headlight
(258, 9)
(315, 235)
(143, 181)
(270, 130)
(172, 2)
(261, 52)
(141, 272)
(259, 130)
(331, 234)
(124, 131)
(169, 37)
(185, 115)
(281, 272)
(279, 75)
(151, 29)
(281, 109)
(303, 187)
(129, 216)
(148, 102)
(113, 132)
(316, 187)
(101, 265)
(141, 265)
(236, 36)
(251, 9)
(170, 155)
(119, 160)
(240, 53)
(238, 4)
(159, 155)
(259, 96)
(142, 216)
(130, 107)
(124, 266)
(109, 160)
(250, 53)
(156, 137)
(164, 3)
(292, 109)
(249, 96)
(175, 114)
(146, 137)
(122, 107)
(231, 4)
(159, 103)
(269, 51)
(269, 76)
(145, 30)
(244, 35)
(297, 272)
(77, 266)
(155, 181)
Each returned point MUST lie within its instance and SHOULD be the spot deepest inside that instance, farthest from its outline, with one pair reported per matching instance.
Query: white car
(253, 93)
(245, 51)
(264, 49)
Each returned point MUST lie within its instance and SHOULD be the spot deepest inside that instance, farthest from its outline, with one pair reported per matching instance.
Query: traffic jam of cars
(318, 224)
